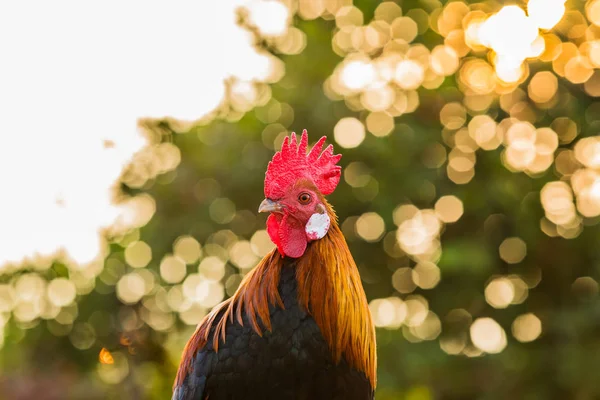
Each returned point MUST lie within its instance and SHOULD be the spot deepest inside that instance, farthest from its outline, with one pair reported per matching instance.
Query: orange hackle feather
(330, 290)
(329, 286)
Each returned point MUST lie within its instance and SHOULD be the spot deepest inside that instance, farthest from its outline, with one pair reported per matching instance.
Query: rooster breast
(292, 361)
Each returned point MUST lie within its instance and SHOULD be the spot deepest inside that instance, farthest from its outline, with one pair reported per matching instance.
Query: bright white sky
(74, 74)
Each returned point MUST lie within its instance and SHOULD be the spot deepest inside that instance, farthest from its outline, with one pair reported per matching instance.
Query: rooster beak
(269, 205)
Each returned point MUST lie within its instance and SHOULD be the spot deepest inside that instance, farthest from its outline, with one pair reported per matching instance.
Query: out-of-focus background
(134, 141)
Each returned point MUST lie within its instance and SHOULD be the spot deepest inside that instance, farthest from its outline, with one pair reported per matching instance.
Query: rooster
(299, 326)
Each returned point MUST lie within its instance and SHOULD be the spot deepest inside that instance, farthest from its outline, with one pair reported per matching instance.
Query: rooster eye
(304, 198)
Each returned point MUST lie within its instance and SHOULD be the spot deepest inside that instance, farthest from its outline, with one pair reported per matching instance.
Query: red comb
(292, 163)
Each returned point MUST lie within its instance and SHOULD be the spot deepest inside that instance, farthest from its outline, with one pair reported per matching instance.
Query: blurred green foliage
(228, 160)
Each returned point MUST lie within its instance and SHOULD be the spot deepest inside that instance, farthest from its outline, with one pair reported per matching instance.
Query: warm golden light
(242, 255)
(545, 13)
(105, 357)
(388, 313)
(449, 209)
(380, 123)
(488, 335)
(61, 292)
(357, 75)
(585, 287)
(403, 280)
(271, 17)
(409, 74)
(349, 132)
(105, 131)
(114, 372)
(187, 249)
(131, 288)
(426, 275)
(172, 269)
(418, 235)
(500, 293)
(482, 130)
(592, 10)
(100, 118)
(213, 268)
(444, 60)
(453, 115)
(388, 11)
(513, 250)
(514, 36)
(138, 254)
(526, 327)
(543, 87)
(404, 28)
(429, 329)
(261, 243)
(370, 226)
(417, 309)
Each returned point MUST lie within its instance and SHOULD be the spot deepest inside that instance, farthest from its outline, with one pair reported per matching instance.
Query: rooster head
(295, 186)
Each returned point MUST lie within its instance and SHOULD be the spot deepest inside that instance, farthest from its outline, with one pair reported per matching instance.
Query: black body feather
(292, 361)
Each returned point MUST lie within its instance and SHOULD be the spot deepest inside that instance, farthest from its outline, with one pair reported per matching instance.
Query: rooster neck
(329, 289)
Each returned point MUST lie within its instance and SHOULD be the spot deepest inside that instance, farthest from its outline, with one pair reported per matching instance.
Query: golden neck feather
(329, 288)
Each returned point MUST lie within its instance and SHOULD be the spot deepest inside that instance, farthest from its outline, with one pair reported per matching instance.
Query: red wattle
(288, 235)
(273, 231)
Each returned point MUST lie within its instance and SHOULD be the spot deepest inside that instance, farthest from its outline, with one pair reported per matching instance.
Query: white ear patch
(317, 226)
